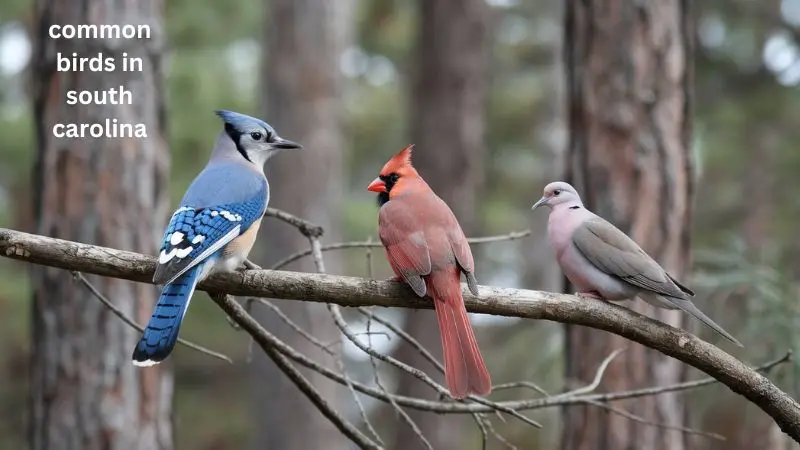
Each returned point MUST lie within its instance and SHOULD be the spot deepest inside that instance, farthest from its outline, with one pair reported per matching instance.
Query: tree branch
(238, 313)
(370, 243)
(351, 291)
(305, 227)
(305, 386)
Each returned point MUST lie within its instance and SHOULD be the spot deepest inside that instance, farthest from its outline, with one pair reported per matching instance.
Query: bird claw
(249, 265)
(589, 295)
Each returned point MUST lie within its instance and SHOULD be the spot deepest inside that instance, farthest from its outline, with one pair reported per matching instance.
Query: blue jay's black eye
(256, 135)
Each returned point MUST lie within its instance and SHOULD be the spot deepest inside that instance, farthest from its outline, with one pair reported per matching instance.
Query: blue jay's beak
(285, 144)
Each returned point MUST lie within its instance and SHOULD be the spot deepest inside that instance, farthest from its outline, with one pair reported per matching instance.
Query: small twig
(342, 325)
(598, 377)
(378, 333)
(512, 236)
(357, 401)
(236, 311)
(294, 326)
(686, 385)
(305, 227)
(479, 420)
(362, 333)
(248, 305)
(316, 253)
(400, 411)
(499, 437)
(643, 421)
(521, 384)
(510, 411)
(369, 257)
(404, 336)
(130, 322)
(371, 243)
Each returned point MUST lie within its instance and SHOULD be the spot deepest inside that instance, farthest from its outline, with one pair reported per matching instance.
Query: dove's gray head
(559, 193)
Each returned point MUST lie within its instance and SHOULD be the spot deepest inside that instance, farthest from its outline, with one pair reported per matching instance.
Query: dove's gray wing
(613, 252)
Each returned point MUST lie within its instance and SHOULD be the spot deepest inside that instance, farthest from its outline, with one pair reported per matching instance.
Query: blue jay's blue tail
(161, 332)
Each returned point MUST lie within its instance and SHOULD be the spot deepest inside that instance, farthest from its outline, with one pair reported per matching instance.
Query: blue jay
(214, 227)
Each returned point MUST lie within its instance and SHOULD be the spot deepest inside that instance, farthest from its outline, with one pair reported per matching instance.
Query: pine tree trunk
(629, 71)
(85, 393)
(448, 128)
(304, 89)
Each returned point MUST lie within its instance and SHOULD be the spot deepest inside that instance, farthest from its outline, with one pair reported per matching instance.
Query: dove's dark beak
(542, 201)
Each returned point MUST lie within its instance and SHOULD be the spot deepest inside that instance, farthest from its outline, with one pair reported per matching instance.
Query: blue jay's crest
(243, 123)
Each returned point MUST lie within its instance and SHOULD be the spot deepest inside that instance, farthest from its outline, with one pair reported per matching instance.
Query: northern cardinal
(427, 249)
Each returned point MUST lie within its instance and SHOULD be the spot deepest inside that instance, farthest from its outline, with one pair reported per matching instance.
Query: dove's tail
(690, 308)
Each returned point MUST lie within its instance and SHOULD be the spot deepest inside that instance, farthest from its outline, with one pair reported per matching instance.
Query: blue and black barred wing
(195, 234)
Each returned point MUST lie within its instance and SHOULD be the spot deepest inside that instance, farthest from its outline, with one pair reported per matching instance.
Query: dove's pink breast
(588, 278)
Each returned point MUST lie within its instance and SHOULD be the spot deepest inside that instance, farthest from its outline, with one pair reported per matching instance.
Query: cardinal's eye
(393, 177)
(256, 135)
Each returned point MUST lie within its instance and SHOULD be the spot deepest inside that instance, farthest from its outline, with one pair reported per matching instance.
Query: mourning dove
(604, 263)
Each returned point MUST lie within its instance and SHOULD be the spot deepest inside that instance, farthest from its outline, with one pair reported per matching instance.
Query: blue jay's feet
(248, 265)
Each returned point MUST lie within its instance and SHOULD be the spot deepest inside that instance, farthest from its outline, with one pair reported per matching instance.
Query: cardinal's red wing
(401, 232)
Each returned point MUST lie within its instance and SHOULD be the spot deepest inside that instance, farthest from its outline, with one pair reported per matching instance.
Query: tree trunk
(448, 127)
(85, 394)
(629, 74)
(304, 103)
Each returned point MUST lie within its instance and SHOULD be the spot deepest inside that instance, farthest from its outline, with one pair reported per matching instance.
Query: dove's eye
(556, 192)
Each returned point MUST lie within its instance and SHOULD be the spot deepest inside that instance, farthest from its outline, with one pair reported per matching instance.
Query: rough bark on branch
(352, 291)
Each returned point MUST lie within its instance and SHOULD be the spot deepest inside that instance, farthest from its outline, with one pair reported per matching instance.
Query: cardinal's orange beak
(377, 185)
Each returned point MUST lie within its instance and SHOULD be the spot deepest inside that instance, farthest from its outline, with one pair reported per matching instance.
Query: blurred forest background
(490, 92)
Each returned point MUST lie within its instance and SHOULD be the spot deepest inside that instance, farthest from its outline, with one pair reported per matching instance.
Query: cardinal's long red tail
(464, 368)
